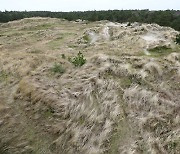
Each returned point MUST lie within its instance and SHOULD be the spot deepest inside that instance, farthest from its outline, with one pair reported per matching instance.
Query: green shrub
(79, 60)
(57, 68)
(178, 39)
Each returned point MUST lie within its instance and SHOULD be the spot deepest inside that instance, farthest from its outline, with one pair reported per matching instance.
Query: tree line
(170, 18)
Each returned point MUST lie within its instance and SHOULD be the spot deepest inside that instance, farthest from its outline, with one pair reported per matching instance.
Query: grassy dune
(124, 99)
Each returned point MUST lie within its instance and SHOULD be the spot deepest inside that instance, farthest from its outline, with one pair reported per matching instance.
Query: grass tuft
(58, 68)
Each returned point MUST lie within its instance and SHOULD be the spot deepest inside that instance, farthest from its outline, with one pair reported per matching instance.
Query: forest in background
(170, 18)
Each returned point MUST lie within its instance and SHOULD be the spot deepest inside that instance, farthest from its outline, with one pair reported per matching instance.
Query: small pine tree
(79, 60)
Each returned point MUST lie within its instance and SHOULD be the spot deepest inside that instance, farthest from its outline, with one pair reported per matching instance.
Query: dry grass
(117, 102)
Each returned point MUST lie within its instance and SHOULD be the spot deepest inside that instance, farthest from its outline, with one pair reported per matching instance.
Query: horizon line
(88, 10)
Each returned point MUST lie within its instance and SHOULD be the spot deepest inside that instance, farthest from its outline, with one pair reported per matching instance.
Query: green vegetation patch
(57, 42)
(160, 51)
(86, 38)
(78, 60)
(120, 135)
(173, 146)
(49, 112)
(72, 46)
(57, 68)
(35, 51)
(125, 82)
(38, 27)
(178, 39)
(63, 56)
(12, 33)
(3, 76)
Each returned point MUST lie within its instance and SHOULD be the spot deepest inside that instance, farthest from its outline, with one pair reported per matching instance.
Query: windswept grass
(118, 102)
